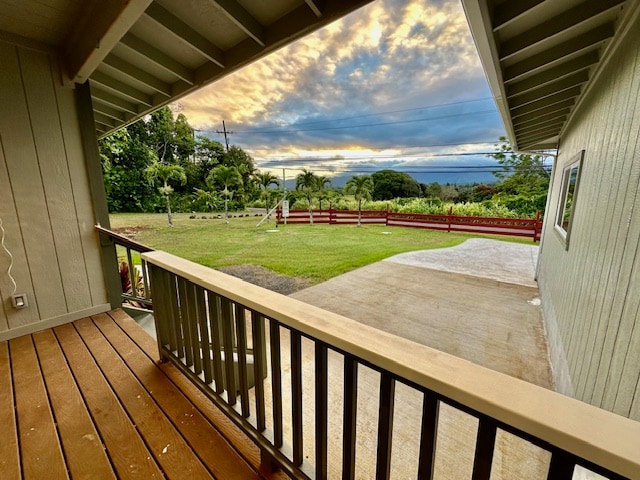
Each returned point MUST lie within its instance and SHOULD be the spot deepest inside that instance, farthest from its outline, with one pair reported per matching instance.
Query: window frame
(564, 232)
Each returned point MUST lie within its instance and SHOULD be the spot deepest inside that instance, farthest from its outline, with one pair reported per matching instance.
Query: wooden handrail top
(599, 436)
(122, 240)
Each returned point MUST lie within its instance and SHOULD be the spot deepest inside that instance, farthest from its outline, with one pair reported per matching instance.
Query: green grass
(316, 252)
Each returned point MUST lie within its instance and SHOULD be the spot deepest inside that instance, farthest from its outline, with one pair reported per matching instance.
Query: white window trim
(576, 161)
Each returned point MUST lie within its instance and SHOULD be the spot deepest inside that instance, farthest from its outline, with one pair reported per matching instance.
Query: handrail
(136, 288)
(190, 296)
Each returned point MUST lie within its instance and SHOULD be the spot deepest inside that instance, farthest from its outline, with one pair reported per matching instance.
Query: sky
(397, 84)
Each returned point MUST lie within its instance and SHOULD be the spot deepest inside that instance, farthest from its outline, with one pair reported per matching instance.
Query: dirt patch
(265, 278)
(131, 232)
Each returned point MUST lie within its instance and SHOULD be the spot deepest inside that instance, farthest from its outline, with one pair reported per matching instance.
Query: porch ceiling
(141, 54)
(539, 56)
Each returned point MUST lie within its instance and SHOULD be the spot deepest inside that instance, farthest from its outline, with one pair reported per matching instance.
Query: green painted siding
(45, 201)
(591, 292)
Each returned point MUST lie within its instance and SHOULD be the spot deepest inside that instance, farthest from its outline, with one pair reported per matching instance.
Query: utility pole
(225, 133)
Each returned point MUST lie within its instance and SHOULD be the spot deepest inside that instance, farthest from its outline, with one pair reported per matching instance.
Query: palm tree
(264, 180)
(164, 174)
(360, 188)
(321, 192)
(307, 182)
(227, 177)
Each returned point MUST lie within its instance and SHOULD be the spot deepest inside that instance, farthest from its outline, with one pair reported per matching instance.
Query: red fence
(521, 227)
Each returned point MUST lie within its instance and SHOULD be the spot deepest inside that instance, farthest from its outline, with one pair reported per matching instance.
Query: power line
(340, 119)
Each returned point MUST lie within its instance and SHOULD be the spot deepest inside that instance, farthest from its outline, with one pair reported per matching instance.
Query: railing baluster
(428, 437)
(349, 417)
(145, 279)
(276, 381)
(215, 322)
(241, 334)
(385, 425)
(205, 342)
(562, 466)
(185, 321)
(228, 347)
(485, 446)
(296, 396)
(259, 366)
(132, 278)
(176, 323)
(161, 315)
(321, 409)
(193, 321)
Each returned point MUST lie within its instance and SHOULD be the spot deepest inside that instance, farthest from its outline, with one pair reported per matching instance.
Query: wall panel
(591, 293)
(45, 201)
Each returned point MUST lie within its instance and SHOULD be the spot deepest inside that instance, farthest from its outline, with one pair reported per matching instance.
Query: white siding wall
(45, 202)
(591, 293)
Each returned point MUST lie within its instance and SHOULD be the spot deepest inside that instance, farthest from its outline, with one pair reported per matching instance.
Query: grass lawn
(316, 252)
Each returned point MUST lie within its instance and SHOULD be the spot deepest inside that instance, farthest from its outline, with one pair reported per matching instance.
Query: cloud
(394, 74)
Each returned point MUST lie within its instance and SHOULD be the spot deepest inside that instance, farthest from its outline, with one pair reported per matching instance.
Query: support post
(89, 138)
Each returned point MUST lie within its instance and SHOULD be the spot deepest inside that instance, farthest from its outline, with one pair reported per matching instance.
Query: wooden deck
(89, 400)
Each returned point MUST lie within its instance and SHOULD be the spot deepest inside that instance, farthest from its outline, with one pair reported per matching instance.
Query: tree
(389, 184)
(161, 133)
(307, 183)
(164, 174)
(321, 189)
(521, 173)
(264, 181)
(226, 177)
(360, 188)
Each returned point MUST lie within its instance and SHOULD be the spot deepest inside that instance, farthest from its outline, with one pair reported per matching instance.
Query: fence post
(386, 217)
(278, 211)
(537, 231)
(331, 219)
(450, 218)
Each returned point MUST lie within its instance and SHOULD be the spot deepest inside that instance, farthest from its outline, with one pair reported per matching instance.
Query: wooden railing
(338, 399)
(519, 227)
(134, 275)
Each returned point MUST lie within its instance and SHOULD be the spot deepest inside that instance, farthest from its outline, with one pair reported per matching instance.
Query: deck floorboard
(90, 400)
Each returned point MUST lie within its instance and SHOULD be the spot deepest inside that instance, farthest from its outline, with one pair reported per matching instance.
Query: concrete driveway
(477, 300)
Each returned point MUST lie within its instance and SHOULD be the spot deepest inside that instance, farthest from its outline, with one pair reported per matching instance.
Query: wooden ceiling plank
(542, 127)
(138, 74)
(100, 28)
(554, 26)
(582, 42)
(559, 114)
(114, 101)
(242, 19)
(158, 57)
(565, 83)
(108, 111)
(185, 33)
(542, 135)
(509, 11)
(568, 95)
(122, 88)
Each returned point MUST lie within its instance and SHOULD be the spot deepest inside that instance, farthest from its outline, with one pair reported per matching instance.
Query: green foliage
(227, 180)
(521, 174)
(264, 180)
(388, 184)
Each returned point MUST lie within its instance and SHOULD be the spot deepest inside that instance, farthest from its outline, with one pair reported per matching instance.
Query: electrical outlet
(19, 300)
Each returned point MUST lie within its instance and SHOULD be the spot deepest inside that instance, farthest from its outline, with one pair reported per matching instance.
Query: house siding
(591, 291)
(45, 202)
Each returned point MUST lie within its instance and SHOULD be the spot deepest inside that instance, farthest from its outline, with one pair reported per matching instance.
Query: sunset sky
(397, 84)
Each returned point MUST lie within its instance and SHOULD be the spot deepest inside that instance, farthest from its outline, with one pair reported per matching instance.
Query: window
(567, 199)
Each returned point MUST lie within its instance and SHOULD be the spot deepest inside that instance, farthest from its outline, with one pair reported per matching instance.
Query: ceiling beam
(543, 103)
(314, 5)
(565, 83)
(185, 34)
(109, 111)
(552, 74)
(539, 128)
(540, 119)
(98, 30)
(554, 26)
(576, 45)
(509, 11)
(535, 137)
(157, 57)
(122, 88)
(243, 19)
(542, 146)
(104, 119)
(114, 101)
(138, 74)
